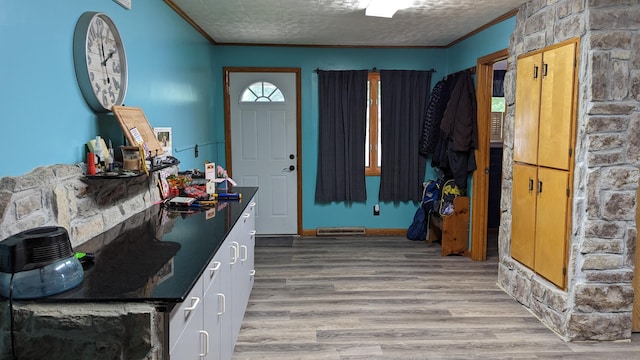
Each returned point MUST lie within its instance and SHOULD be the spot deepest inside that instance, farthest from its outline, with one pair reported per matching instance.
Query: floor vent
(340, 231)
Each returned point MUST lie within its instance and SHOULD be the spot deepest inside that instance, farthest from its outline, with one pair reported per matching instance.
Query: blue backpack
(430, 200)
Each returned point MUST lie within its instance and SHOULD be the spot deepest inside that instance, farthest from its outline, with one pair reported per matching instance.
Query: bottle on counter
(97, 149)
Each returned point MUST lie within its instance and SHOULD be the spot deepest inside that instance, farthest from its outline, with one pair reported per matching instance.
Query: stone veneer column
(598, 301)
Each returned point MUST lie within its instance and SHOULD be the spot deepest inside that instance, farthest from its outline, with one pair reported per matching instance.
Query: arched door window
(262, 91)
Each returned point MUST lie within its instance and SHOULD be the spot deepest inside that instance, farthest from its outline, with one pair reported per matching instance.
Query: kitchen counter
(156, 255)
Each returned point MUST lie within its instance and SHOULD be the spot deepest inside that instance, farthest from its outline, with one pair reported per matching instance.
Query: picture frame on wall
(163, 134)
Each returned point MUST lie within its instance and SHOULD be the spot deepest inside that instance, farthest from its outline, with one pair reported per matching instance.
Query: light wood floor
(392, 298)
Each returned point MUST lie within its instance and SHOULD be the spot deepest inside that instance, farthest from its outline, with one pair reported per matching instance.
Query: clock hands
(104, 63)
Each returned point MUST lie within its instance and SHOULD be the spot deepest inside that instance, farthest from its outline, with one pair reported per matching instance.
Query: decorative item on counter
(163, 184)
(210, 174)
(111, 158)
(163, 134)
(143, 162)
(209, 170)
(223, 181)
(99, 152)
(130, 158)
(99, 148)
(91, 163)
(177, 183)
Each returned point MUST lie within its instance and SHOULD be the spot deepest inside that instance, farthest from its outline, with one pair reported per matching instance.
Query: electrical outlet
(376, 210)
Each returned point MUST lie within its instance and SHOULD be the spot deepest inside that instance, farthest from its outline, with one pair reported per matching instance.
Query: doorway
(262, 137)
(482, 176)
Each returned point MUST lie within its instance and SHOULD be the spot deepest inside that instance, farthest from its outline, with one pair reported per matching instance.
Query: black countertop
(156, 255)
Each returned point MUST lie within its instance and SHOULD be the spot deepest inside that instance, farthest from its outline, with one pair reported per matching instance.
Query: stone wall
(60, 195)
(597, 304)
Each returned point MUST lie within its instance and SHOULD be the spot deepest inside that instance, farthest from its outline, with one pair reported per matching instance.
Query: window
(372, 147)
(497, 117)
(262, 91)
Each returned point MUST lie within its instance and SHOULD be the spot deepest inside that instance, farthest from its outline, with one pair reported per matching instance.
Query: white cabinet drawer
(213, 272)
(185, 312)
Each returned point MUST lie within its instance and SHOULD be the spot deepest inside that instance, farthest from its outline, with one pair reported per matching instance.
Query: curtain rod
(472, 70)
(374, 69)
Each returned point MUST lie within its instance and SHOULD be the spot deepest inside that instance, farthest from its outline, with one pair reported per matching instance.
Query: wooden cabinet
(452, 230)
(545, 108)
(206, 325)
(544, 138)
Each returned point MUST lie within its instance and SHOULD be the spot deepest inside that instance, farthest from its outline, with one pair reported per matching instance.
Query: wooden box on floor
(452, 230)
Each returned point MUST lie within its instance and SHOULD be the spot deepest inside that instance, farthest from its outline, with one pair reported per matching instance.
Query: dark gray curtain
(498, 82)
(341, 137)
(405, 95)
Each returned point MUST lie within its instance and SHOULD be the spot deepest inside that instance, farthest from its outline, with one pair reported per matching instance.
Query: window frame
(373, 122)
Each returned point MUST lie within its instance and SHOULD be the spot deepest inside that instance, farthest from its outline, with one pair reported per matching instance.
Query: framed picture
(163, 134)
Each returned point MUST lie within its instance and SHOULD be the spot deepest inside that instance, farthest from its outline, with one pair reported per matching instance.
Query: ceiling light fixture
(385, 8)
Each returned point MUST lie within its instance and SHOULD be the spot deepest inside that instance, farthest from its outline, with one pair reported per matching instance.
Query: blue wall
(45, 119)
(309, 59)
(464, 54)
(175, 76)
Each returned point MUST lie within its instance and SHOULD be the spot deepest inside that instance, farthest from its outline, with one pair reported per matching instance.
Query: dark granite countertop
(156, 255)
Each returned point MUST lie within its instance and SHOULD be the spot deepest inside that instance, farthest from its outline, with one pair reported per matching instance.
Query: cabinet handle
(223, 301)
(215, 268)
(206, 342)
(194, 304)
(544, 69)
(539, 186)
(252, 273)
(530, 184)
(252, 204)
(246, 215)
(234, 257)
(246, 253)
(252, 233)
(535, 71)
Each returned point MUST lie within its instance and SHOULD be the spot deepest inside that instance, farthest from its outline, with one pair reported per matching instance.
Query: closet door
(523, 210)
(527, 109)
(551, 225)
(556, 115)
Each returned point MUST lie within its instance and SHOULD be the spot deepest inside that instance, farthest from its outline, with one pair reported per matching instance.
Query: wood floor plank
(385, 297)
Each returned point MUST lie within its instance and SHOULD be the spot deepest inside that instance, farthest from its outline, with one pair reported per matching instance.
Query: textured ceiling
(339, 22)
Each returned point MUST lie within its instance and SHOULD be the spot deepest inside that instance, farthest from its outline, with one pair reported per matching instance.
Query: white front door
(264, 145)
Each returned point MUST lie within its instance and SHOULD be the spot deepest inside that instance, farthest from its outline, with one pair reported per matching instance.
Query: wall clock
(100, 61)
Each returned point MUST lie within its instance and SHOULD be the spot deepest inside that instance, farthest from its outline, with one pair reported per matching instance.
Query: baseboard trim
(379, 232)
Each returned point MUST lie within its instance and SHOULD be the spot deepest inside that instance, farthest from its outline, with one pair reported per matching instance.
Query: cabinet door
(525, 146)
(214, 307)
(551, 226)
(523, 212)
(556, 107)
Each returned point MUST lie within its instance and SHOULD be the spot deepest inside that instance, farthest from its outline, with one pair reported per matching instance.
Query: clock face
(101, 66)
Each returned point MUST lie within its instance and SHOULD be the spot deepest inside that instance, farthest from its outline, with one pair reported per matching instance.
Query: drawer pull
(206, 342)
(194, 304)
(234, 257)
(246, 215)
(252, 273)
(252, 233)
(215, 268)
(252, 204)
(223, 301)
(246, 252)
